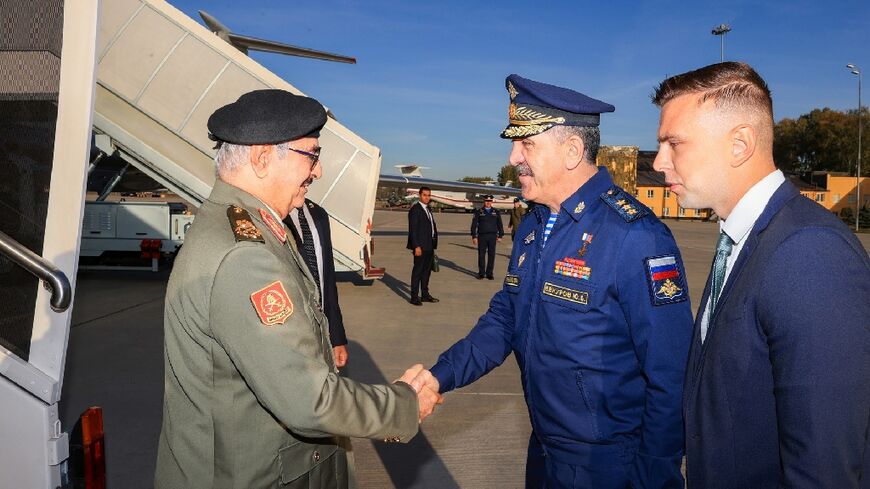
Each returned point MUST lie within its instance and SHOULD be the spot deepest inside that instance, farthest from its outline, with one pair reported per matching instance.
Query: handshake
(426, 386)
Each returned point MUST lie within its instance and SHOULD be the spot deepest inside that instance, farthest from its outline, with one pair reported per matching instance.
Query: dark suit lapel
(783, 194)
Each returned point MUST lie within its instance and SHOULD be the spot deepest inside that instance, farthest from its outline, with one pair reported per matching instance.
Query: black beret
(269, 116)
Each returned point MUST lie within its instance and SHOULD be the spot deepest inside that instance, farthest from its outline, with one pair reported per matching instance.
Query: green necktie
(723, 251)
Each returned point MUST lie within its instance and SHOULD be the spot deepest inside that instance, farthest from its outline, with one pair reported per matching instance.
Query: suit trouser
(420, 273)
(486, 246)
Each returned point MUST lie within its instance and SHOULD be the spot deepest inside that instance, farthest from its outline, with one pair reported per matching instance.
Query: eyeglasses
(314, 157)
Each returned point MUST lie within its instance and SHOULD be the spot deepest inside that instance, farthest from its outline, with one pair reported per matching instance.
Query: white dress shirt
(739, 223)
(429, 215)
(315, 236)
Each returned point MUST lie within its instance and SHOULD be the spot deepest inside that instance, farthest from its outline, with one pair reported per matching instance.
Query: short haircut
(230, 157)
(591, 136)
(424, 188)
(729, 85)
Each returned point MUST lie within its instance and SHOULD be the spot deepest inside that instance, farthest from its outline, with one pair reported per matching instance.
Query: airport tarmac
(477, 439)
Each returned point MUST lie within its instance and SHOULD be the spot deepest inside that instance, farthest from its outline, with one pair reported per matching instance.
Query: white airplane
(462, 195)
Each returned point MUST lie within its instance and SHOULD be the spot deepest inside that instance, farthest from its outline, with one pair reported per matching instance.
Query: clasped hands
(426, 386)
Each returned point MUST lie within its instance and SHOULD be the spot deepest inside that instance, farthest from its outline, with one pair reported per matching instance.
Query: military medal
(573, 267)
(273, 225)
(586, 238)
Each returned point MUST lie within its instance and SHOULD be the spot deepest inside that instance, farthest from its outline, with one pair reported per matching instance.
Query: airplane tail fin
(411, 170)
(508, 183)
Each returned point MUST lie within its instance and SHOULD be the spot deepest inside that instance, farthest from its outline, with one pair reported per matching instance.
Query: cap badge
(512, 91)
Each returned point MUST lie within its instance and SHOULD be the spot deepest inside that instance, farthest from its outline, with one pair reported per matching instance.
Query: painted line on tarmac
(104, 316)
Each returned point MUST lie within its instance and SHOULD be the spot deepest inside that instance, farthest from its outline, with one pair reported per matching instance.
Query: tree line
(822, 140)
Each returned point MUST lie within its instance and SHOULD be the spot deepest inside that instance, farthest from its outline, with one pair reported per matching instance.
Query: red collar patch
(273, 225)
(272, 304)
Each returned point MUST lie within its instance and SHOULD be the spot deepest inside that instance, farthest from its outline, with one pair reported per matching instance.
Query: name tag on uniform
(564, 293)
(512, 281)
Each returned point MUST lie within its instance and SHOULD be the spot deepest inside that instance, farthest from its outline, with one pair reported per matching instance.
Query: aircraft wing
(446, 185)
(248, 42)
(244, 43)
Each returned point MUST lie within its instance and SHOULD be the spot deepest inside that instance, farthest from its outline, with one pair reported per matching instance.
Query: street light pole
(720, 30)
(857, 71)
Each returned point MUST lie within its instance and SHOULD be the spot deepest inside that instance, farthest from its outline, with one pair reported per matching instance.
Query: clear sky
(428, 86)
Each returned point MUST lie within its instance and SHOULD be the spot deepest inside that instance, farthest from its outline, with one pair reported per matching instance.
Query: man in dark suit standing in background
(777, 392)
(315, 246)
(422, 241)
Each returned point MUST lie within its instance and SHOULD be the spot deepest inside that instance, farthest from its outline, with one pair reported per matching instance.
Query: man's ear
(260, 158)
(743, 142)
(574, 149)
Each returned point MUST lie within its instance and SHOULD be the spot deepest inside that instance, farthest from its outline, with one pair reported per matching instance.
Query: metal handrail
(52, 278)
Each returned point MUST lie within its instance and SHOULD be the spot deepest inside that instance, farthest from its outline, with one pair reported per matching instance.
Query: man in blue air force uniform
(594, 306)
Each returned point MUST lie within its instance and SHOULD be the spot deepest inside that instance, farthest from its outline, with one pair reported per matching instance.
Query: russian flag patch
(666, 283)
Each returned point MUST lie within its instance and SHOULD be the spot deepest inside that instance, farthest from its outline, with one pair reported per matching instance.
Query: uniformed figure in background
(486, 230)
(517, 214)
(594, 306)
(309, 225)
(252, 396)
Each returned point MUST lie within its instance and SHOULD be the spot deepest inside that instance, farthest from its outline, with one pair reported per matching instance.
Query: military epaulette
(623, 204)
(242, 225)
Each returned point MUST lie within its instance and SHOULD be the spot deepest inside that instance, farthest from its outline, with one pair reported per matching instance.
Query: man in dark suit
(777, 391)
(422, 241)
(318, 257)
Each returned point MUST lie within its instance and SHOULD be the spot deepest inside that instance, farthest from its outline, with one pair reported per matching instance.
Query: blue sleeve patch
(627, 207)
(665, 279)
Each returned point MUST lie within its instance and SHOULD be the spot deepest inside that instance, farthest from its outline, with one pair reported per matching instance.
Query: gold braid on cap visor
(527, 122)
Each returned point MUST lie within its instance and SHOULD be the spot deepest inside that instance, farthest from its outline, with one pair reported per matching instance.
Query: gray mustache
(524, 170)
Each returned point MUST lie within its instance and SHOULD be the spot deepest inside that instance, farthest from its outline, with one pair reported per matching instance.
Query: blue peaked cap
(536, 107)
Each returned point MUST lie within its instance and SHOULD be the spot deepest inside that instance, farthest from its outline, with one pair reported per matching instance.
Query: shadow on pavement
(401, 289)
(475, 249)
(414, 464)
(405, 233)
(453, 266)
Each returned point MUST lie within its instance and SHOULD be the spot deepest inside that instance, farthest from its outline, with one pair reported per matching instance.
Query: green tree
(823, 139)
(508, 173)
(475, 179)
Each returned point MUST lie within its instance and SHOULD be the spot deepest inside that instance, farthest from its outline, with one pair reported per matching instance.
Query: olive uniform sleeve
(285, 364)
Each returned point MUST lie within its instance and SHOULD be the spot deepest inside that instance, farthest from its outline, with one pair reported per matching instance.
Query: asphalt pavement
(476, 439)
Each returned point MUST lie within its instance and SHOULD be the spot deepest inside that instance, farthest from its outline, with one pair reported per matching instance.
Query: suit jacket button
(316, 456)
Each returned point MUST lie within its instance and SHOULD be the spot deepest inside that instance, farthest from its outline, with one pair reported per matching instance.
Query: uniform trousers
(543, 472)
(486, 252)
(420, 273)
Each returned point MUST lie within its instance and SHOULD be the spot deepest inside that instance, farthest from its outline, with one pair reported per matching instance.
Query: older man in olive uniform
(252, 396)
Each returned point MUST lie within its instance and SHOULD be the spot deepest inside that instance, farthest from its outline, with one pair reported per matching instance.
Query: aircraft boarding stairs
(161, 74)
